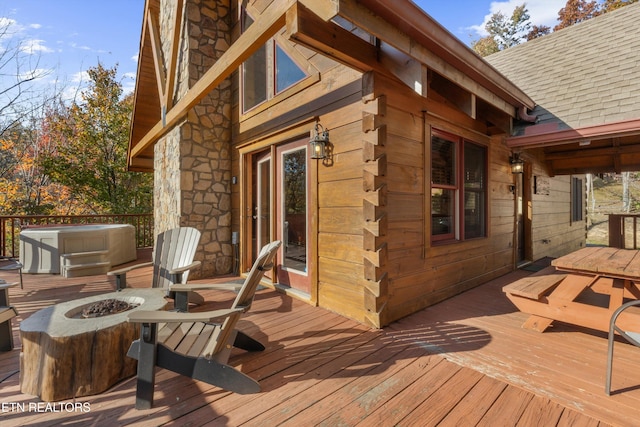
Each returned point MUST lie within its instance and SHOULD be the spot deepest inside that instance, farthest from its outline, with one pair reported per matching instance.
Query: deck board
(465, 361)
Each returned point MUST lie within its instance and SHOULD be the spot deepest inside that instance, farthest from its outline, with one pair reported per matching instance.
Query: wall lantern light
(517, 164)
(319, 142)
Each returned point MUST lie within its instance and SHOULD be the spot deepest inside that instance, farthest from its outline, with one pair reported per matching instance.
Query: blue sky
(67, 37)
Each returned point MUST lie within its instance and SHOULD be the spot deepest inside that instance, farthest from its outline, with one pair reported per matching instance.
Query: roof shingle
(584, 75)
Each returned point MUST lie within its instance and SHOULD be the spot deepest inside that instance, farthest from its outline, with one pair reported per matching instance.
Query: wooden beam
(141, 164)
(305, 28)
(341, 45)
(576, 151)
(325, 9)
(373, 24)
(250, 41)
(173, 57)
(408, 70)
(156, 49)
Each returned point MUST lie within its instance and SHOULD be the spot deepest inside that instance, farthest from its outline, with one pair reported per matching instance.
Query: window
(577, 200)
(267, 72)
(458, 188)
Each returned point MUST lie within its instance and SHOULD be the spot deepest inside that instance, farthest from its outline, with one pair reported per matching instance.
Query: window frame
(271, 77)
(458, 232)
(577, 199)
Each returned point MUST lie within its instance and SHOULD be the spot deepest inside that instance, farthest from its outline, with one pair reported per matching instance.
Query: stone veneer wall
(193, 162)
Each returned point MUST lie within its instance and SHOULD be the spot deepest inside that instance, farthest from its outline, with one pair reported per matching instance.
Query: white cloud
(80, 77)
(541, 12)
(128, 84)
(34, 46)
(36, 74)
(77, 46)
(8, 28)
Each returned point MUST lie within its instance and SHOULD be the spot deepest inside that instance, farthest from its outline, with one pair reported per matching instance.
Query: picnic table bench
(582, 288)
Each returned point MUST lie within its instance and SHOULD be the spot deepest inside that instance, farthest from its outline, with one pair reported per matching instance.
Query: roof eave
(412, 20)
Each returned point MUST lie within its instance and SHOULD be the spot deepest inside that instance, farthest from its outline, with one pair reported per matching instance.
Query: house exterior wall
(416, 272)
(374, 260)
(553, 232)
(372, 257)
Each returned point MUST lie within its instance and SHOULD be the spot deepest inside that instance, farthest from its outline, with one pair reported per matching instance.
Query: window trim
(577, 200)
(458, 233)
(273, 96)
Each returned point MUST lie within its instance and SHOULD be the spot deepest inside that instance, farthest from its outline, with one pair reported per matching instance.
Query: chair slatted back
(173, 248)
(244, 299)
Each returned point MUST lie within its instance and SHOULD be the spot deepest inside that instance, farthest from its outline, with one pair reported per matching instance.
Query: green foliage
(485, 46)
(504, 32)
(91, 153)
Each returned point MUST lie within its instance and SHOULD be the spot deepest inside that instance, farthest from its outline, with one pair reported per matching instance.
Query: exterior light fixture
(319, 142)
(517, 164)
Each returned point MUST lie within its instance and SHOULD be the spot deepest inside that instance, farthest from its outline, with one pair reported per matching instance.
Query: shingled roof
(584, 78)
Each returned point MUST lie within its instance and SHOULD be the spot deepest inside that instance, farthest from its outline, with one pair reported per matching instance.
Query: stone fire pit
(67, 353)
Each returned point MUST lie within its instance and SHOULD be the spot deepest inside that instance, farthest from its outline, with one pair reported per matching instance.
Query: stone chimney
(192, 166)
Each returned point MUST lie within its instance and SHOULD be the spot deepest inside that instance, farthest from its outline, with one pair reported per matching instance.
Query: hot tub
(50, 249)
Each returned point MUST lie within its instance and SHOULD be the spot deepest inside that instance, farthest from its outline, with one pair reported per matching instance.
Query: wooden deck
(463, 362)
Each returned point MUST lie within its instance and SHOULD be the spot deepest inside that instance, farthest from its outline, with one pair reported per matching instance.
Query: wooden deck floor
(463, 362)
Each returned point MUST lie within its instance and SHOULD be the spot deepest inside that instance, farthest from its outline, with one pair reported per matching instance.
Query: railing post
(616, 231)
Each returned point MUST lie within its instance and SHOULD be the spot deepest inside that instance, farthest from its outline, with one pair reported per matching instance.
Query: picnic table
(583, 288)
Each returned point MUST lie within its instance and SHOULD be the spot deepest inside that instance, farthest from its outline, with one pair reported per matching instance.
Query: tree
(21, 105)
(91, 152)
(576, 11)
(538, 31)
(504, 32)
(485, 46)
(19, 70)
(610, 5)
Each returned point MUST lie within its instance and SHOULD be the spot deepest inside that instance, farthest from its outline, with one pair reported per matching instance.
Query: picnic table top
(604, 261)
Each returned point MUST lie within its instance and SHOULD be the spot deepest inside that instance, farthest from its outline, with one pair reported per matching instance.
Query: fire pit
(78, 348)
(105, 307)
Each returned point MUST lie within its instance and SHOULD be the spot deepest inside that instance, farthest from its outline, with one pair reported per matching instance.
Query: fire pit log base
(65, 356)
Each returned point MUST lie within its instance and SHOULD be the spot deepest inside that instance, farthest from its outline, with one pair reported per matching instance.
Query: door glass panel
(263, 209)
(294, 227)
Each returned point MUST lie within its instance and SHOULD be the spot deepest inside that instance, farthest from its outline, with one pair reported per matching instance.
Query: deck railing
(623, 231)
(10, 227)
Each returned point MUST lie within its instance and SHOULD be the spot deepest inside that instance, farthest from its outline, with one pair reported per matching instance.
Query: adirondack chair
(198, 345)
(172, 259)
(8, 263)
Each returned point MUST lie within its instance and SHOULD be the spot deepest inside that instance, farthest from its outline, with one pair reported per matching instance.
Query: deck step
(84, 263)
(90, 269)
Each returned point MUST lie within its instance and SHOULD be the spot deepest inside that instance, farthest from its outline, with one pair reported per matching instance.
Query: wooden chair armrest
(190, 287)
(125, 270)
(10, 267)
(7, 285)
(214, 316)
(185, 268)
